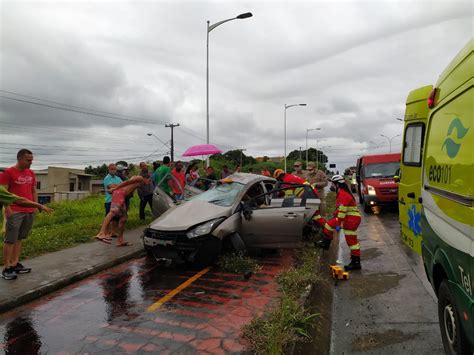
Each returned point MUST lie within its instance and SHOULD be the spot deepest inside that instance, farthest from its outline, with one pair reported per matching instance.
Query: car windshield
(222, 195)
(382, 169)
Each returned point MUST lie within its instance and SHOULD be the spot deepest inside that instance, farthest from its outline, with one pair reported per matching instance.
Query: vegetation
(290, 320)
(238, 264)
(71, 223)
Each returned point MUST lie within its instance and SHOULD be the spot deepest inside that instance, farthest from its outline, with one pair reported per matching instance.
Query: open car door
(273, 227)
(269, 225)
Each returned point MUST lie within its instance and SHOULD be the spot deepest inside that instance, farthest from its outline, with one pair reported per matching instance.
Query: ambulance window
(413, 144)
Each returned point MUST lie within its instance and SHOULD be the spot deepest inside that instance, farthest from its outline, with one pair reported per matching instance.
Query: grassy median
(290, 320)
(72, 223)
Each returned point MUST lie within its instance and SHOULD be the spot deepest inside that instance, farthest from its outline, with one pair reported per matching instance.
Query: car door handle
(290, 215)
(411, 195)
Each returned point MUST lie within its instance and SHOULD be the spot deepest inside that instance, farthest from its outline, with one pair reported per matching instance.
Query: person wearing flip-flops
(119, 209)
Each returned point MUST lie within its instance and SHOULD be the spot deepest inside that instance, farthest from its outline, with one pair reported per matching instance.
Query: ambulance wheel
(454, 340)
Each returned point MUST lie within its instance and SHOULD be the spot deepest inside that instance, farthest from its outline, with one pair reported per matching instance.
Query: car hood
(381, 182)
(189, 214)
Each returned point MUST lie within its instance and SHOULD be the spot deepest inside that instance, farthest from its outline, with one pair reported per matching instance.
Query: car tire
(452, 334)
(208, 252)
(366, 207)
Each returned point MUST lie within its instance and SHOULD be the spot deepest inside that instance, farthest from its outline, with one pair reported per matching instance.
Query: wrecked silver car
(242, 212)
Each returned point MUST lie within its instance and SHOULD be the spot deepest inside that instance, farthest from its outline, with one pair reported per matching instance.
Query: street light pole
(390, 140)
(317, 149)
(309, 130)
(376, 146)
(209, 29)
(287, 107)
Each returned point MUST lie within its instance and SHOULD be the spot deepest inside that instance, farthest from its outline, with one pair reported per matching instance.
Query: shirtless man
(118, 209)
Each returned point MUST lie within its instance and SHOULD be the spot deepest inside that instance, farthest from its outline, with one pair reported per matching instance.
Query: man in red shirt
(21, 181)
(178, 182)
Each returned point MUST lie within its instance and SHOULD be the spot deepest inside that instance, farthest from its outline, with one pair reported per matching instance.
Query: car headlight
(205, 228)
(371, 190)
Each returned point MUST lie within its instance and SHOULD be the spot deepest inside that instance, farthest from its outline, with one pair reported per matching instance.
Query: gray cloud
(352, 63)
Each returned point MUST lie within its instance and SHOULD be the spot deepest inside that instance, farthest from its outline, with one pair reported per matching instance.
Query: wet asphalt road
(109, 312)
(388, 307)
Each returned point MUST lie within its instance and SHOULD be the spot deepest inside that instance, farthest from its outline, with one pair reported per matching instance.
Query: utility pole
(300, 153)
(172, 126)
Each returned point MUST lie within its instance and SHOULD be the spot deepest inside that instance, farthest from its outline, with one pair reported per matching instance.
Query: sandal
(103, 240)
(125, 244)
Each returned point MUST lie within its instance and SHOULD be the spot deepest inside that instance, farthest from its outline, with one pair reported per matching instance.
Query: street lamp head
(149, 134)
(245, 15)
(302, 104)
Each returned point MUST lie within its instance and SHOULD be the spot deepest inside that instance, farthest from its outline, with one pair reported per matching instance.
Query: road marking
(177, 290)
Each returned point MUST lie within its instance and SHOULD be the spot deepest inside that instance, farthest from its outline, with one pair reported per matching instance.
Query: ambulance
(438, 210)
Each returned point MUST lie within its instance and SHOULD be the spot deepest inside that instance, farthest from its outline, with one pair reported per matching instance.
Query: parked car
(241, 212)
(375, 178)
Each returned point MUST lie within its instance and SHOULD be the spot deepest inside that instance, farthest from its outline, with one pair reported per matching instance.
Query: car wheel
(366, 207)
(208, 252)
(454, 340)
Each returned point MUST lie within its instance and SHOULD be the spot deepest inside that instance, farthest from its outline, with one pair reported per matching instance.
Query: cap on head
(120, 167)
(297, 163)
(277, 173)
(338, 179)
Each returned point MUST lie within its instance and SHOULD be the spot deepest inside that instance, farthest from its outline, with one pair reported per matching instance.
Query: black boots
(324, 243)
(354, 264)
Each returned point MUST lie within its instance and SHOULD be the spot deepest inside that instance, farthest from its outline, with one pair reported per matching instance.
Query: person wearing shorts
(21, 181)
(118, 209)
(6, 199)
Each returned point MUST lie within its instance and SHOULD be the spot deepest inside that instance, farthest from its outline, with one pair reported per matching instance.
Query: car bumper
(176, 246)
(374, 200)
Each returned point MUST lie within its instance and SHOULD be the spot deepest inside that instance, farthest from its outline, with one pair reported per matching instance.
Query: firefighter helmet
(338, 179)
(277, 173)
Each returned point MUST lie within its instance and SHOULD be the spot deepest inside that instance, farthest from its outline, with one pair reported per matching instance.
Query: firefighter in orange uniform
(346, 217)
(283, 177)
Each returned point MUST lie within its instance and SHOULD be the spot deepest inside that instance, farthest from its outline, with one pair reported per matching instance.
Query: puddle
(372, 341)
(369, 285)
(371, 253)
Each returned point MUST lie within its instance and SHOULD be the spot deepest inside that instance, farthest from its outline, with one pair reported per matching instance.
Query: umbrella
(201, 149)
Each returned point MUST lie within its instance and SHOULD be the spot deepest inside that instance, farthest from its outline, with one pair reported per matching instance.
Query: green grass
(237, 263)
(72, 223)
(290, 320)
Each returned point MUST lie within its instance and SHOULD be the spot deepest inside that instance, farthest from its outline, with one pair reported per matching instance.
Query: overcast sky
(142, 64)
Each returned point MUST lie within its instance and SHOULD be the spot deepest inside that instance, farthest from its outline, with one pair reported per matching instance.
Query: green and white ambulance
(409, 187)
(447, 196)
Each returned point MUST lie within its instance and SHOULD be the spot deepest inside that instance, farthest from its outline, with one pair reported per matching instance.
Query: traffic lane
(387, 307)
(109, 311)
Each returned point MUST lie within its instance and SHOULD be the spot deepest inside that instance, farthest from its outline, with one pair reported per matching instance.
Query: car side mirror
(396, 178)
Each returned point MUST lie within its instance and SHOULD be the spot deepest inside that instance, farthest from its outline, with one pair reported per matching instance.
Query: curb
(65, 281)
(319, 299)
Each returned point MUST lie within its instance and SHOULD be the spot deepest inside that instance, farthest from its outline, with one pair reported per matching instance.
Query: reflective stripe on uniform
(341, 215)
(350, 232)
(355, 246)
(355, 214)
(328, 227)
(315, 218)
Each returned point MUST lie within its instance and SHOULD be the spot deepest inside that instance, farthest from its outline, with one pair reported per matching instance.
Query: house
(58, 183)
